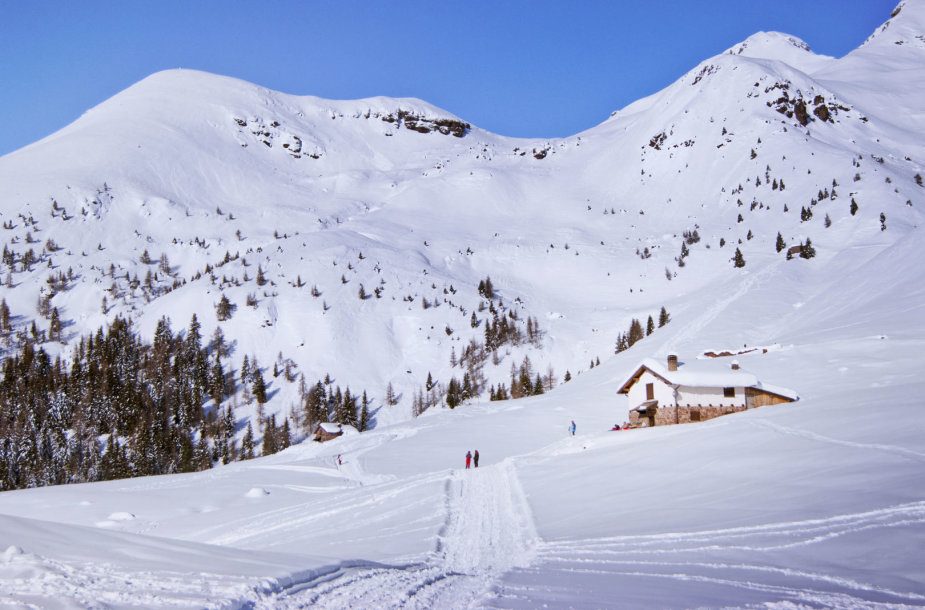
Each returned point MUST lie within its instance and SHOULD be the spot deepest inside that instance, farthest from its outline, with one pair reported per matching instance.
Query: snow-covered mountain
(818, 503)
(192, 166)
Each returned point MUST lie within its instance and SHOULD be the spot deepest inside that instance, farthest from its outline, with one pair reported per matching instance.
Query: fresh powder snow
(818, 503)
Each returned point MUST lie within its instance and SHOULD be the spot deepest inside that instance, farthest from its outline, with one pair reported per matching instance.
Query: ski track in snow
(813, 436)
(488, 530)
(706, 557)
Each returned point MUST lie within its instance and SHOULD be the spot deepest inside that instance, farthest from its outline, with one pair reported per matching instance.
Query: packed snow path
(488, 530)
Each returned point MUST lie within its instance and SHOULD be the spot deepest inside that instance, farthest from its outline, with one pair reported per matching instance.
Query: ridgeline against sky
(514, 68)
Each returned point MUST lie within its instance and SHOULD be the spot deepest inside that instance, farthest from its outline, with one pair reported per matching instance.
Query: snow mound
(11, 552)
(256, 492)
(121, 516)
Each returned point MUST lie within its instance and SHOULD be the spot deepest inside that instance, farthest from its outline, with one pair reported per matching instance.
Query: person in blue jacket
(572, 428)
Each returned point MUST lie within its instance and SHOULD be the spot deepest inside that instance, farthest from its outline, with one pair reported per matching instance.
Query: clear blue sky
(536, 69)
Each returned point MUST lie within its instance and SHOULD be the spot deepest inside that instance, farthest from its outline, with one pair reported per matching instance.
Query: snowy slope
(814, 504)
(167, 166)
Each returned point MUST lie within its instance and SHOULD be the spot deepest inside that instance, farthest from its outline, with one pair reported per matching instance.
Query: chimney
(735, 365)
(672, 362)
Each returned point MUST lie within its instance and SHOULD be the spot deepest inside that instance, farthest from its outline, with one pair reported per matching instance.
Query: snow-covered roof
(776, 389)
(335, 428)
(704, 374)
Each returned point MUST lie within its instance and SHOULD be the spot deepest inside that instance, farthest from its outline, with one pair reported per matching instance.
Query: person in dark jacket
(475, 458)
(468, 459)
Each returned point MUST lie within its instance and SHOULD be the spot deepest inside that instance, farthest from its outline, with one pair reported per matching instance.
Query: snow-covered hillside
(814, 504)
(192, 166)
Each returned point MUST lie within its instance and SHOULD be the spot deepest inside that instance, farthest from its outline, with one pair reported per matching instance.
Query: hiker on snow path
(572, 428)
(475, 458)
(468, 459)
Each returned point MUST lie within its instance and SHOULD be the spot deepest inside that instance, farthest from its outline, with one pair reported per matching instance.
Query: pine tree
(261, 278)
(247, 443)
(738, 260)
(635, 332)
(315, 410)
(5, 317)
(364, 413)
(54, 325)
(217, 343)
(538, 385)
(390, 398)
(227, 448)
(663, 317)
(622, 343)
(807, 250)
(217, 382)
(468, 391)
(259, 387)
(223, 309)
(269, 436)
(882, 221)
(284, 439)
(780, 244)
(350, 409)
(453, 393)
(245, 371)
(854, 206)
(827, 222)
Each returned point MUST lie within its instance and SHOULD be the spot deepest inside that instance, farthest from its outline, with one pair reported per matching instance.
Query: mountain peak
(779, 46)
(906, 26)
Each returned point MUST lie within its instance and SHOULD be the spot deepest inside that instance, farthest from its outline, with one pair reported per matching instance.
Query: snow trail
(814, 436)
(738, 558)
(488, 530)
